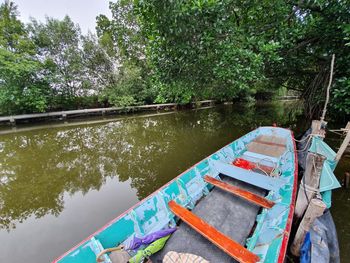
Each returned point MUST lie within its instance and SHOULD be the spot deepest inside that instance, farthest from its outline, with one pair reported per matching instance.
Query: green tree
(58, 41)
(82, 66)
(123, 40)
(99, 67)
(122, 34)
(23, 85)
(132, 87)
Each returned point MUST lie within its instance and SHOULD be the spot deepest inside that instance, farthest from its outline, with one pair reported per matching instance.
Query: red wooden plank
(232, 248)
(249, 196)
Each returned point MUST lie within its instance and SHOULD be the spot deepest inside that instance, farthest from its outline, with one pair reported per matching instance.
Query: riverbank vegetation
(177, 51)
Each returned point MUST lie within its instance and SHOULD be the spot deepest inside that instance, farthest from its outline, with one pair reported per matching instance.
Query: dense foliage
(235, 49)
(177, 51)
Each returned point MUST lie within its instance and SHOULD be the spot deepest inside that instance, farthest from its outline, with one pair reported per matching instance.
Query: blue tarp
(324, 240)
(305, 250)
(321, 242)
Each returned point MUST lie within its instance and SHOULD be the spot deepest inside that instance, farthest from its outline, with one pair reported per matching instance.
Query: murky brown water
(341, 201)
(60, 184)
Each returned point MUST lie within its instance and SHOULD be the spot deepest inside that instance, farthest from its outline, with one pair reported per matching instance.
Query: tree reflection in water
(38, 167)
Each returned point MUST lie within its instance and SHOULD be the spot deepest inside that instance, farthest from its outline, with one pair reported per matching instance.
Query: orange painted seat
(249, 196)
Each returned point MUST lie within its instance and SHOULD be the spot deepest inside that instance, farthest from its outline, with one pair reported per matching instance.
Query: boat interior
(229, 212)
(234, 205)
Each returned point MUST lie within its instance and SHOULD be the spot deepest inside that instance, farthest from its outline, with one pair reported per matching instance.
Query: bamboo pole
(310, 182)
(328, 89)
(314, 210)
(344, 144)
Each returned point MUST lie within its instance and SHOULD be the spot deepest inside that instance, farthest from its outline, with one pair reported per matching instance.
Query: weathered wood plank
(229, 246)
(271, 144)
(272, 139)
(271, 150)
(85, 111)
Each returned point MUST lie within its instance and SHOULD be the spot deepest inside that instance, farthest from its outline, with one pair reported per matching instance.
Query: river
(61, 182)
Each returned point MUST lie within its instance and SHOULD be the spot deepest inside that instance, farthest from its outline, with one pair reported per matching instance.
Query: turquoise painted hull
(270, 237)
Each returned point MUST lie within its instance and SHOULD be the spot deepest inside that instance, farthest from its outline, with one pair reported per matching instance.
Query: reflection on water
(58, 185)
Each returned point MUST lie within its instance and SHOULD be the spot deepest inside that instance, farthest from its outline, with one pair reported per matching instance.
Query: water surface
(59, 184)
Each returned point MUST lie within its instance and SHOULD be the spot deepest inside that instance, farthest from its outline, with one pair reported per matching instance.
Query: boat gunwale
(288, 227)
(289, 220)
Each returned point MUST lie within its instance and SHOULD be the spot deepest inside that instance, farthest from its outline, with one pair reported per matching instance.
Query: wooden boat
(235, 205)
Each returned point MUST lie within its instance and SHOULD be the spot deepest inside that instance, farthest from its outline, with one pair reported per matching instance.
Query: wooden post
(318, 127)
(12, 121)
(346, 179)
(345, 143)
(64, 117)
(314, 210)
(310, 182)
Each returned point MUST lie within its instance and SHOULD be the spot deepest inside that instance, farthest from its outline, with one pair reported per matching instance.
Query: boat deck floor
(268, 145)
(231, 215)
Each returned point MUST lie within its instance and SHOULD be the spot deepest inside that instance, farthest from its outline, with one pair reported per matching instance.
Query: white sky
(83, 12)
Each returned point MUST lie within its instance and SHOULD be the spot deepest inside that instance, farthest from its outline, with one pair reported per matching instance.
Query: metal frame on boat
(164, 207)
